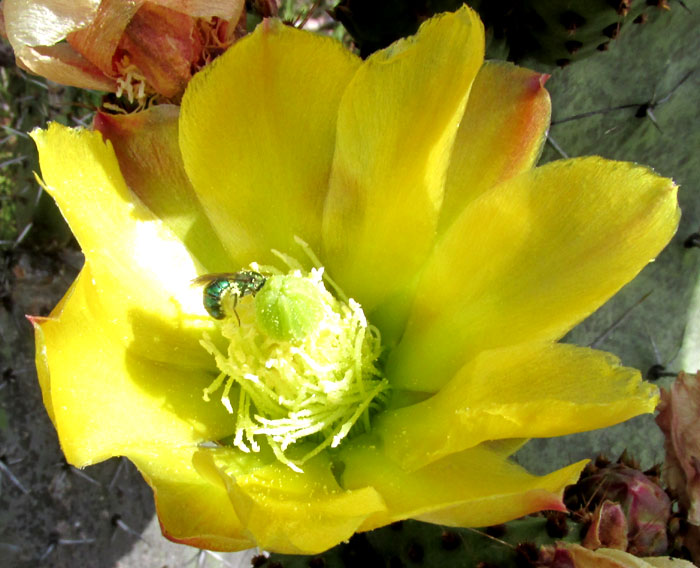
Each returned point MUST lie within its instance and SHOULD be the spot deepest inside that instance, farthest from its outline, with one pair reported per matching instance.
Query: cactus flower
(135, 48)
(381, 277)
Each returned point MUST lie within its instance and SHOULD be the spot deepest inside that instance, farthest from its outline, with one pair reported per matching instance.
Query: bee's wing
(207, 278)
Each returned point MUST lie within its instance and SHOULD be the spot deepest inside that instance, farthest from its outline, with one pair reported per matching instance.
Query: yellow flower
(410, 175)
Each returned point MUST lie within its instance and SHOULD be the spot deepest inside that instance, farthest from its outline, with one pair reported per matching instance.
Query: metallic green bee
(240, 284)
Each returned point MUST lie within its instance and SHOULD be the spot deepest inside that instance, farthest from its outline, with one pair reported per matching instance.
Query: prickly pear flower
(135, 48)
(326, 294)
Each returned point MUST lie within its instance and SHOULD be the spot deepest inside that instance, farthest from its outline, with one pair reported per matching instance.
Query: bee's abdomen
(212, 297)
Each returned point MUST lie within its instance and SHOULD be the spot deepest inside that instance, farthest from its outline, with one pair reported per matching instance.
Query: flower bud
(645, 505)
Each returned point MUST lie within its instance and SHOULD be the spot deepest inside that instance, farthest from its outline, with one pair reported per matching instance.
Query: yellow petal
(477, 487)
(141, 270)
(290, 512)
(257, 134)
(500, 135)
(395, 136)
(531, 258)
(192, 509)
(533, 391)
(106, 400)
(146, 146)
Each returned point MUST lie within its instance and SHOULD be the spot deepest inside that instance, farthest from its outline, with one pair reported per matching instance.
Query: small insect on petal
(217, 286)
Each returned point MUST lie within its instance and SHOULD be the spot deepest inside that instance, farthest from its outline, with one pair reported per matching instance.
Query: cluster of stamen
(304, 395)
(130, 81)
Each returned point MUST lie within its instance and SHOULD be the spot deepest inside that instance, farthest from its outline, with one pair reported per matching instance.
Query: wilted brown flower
(679, 419)
(135, 48)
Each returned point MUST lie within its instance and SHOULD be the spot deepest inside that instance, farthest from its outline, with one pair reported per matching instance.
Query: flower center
(300, 371)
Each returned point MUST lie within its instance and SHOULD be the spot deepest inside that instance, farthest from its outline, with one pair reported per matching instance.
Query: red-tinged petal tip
(542, 79)
(112, 126)
(537, 81)
(102, 122)
(548, 502)
(202, 542)
(37, 321)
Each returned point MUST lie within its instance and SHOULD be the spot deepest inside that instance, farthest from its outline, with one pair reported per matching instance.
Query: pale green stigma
(300, 371)
(289, 307)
